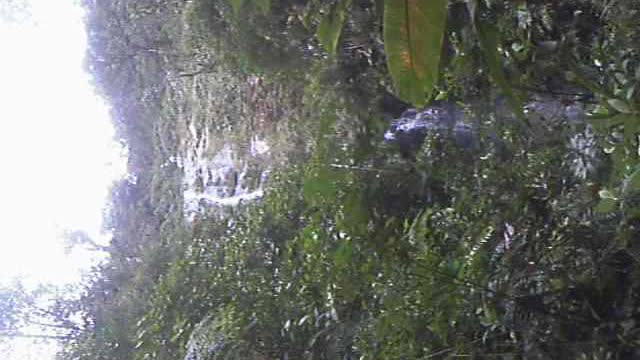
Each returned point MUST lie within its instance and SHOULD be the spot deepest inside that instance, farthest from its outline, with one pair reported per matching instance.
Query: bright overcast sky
(57, 152)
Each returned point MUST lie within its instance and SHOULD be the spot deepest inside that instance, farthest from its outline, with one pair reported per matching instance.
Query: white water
(222, 177)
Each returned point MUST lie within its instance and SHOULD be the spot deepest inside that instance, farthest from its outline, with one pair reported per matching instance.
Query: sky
(57, 153)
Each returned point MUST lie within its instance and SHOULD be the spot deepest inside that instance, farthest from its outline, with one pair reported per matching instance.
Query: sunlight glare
(56, 144)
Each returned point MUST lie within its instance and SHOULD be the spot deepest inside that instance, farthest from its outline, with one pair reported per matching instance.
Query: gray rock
(409, 131)
(411, 128)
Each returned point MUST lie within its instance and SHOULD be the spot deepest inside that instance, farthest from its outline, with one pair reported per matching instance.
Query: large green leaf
(330, 27)
(413, 36)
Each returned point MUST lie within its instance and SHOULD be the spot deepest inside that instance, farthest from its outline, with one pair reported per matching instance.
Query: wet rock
(409, 131)
(412, 127)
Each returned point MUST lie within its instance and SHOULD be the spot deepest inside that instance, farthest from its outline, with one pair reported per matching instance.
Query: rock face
(409, 131)
(411, 128)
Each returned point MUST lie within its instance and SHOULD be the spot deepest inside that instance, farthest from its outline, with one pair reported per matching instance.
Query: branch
(66, 325)
(33, 336)
(360, 168)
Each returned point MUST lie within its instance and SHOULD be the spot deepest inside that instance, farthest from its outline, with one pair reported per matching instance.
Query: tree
(44, 313)
(80, 238)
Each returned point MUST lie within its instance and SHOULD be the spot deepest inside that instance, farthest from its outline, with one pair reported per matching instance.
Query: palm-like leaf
(413, 36)
(330, 27)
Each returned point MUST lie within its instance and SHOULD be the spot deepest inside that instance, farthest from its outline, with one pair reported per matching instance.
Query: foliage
(331, 26)
(357, 250)
(38, 314)
(413, 36)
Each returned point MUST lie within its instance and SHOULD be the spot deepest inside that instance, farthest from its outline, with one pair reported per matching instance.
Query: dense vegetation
(525, 246)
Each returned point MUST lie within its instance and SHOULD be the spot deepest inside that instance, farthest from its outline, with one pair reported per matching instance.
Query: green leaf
(320, 184)
(331, 26)
(264, 6)
(606, 205)
(488, 35)
(608, 202)
(629, 148)
(236, 5)
(343, 255)
(633, 182)
(413, 37)
(631, 128)
(620, 105)
(303, 320)
(607, 194)
(604, 124)
(355, 212)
